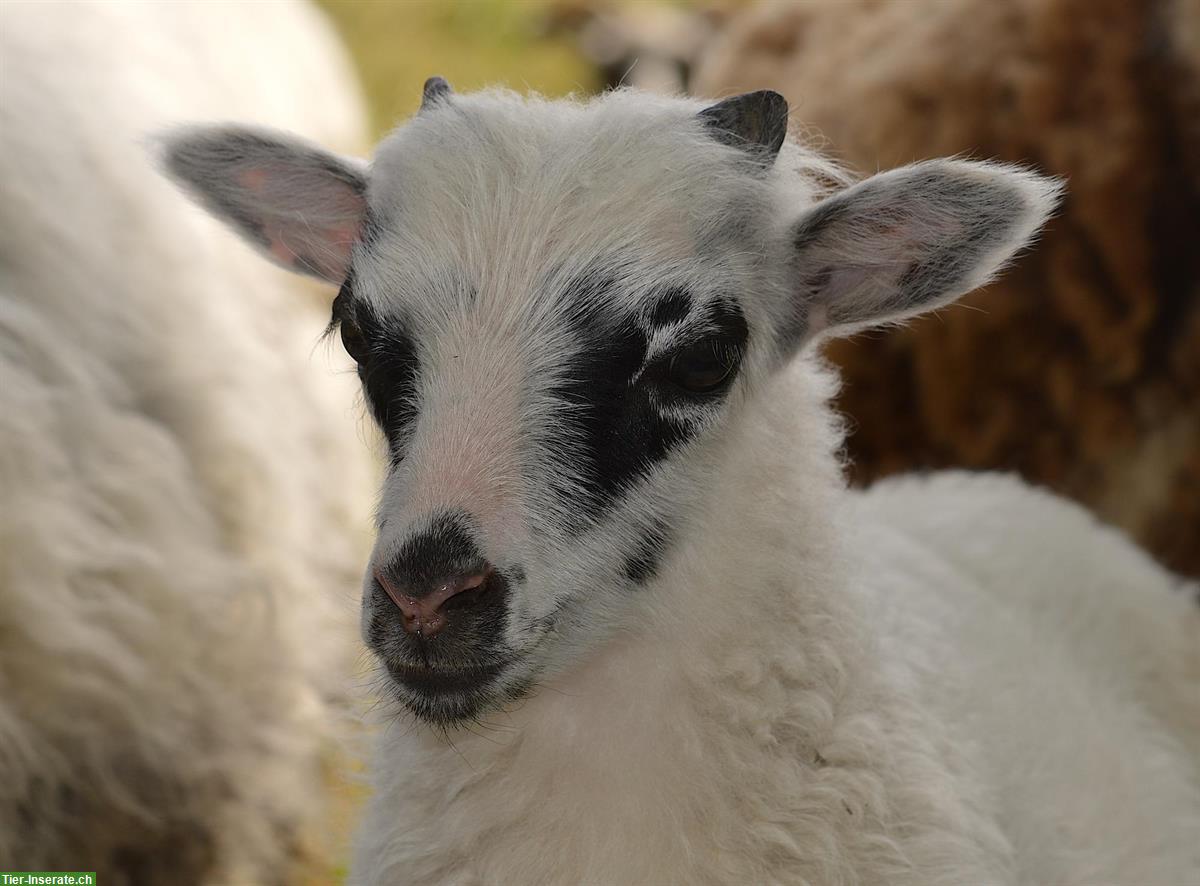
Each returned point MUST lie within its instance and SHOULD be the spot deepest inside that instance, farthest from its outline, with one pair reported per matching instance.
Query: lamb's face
(556, 310)
(550, 343)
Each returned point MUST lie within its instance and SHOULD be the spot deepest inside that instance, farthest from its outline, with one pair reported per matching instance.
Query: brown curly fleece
(1081, 367)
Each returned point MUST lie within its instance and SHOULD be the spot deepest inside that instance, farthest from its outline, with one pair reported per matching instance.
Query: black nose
(426, 614)
(439, 576)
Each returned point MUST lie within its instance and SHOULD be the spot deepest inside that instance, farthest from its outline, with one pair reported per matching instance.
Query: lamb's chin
(447, 697)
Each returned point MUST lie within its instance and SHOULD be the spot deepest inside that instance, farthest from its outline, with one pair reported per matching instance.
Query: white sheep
(636, 628)
(180, 481)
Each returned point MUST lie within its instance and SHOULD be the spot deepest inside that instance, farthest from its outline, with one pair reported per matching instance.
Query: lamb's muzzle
(424, 612)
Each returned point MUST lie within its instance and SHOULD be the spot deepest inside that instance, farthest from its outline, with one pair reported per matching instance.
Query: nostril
(470, 592)
(424, 609)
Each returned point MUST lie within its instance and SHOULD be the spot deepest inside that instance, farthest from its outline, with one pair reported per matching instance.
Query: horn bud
(435, 91)
(756, 122)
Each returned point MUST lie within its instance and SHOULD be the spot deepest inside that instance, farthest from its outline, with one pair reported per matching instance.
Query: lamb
(171, 549)
(631, 624)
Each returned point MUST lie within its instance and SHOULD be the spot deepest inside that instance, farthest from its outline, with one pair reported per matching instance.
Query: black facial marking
(607, 433)
(724, 316)
(621, 417)
(672, 307)
(642, 565)
(388, 363)
(445, 547)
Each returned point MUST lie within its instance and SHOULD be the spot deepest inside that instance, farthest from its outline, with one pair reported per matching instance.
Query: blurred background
(554, 47)
(1080, 369)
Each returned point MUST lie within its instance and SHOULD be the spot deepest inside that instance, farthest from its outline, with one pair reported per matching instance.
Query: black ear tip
(774, 110)
(436, 89)
(756, 121)
(771, 99)
(776, 101)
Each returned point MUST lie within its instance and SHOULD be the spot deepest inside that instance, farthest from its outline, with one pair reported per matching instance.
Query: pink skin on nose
(423, 616)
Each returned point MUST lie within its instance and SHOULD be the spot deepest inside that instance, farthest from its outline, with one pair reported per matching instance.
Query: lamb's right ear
(908, 241)
(303, 207)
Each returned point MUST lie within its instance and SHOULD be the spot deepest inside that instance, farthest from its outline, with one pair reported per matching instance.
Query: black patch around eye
(608, 434)
(703, 368)
(642, 565)
(388, 364)
(705, 362)
(613, 429)
(728, 320)
(672, 307)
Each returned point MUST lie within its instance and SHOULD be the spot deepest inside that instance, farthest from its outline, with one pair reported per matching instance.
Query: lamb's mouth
(447, 696)
(435, 682)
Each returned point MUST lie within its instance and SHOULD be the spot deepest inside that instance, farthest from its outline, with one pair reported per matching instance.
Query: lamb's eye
(353, 339)
(703, 367)
(354, 342)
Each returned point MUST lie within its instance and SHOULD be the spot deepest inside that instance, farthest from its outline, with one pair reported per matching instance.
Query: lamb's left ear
(910, 240)
(303, 207)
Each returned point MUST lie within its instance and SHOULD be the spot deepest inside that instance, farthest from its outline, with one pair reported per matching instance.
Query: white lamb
(639, 629)
(180, 482)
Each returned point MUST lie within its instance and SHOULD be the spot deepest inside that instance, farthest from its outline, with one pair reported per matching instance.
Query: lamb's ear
(302, 206)
(910, 240)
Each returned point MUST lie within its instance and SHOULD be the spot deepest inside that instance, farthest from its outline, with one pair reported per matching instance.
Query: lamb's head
(556, 309)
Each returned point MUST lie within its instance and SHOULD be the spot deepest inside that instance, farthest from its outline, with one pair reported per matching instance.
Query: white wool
(945, 680)
(182, 478)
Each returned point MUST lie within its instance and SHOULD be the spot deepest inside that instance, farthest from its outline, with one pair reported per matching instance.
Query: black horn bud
(436, 90)
(756, 122)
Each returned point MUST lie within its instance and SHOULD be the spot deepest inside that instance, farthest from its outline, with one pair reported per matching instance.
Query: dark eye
(353, 341)
(703, 367)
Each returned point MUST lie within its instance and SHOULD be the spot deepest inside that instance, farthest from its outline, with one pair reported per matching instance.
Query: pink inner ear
(324, 251)
(311, 230)
(254, 179)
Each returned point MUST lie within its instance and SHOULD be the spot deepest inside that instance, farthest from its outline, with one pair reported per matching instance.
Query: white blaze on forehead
(465, 451)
